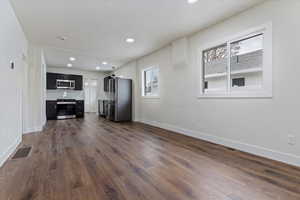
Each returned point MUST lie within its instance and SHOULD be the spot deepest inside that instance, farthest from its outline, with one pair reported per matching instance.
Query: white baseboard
(33, 130)
(136, 120)
(5, 155)
(249, 148)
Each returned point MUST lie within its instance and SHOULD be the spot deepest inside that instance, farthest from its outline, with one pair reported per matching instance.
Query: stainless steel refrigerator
(118, 107)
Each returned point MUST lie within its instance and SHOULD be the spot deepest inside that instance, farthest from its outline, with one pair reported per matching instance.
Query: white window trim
(143, 82)
(267, 89)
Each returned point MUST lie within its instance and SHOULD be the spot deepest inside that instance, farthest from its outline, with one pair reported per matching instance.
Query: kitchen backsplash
(65, 94)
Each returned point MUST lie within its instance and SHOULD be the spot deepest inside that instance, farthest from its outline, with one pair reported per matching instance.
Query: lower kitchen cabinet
(79, 109)
(51, 110)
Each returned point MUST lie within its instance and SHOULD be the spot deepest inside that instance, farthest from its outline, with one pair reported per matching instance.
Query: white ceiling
(97, 29)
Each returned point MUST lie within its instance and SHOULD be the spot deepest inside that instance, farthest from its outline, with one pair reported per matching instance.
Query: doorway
(90, 95)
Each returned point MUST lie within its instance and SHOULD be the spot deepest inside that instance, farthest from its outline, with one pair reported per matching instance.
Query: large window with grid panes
(240, 67)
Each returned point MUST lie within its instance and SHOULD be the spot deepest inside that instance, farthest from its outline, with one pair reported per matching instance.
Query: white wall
(34, 115)
(13, 45)
(259, 126)
(79, 95)
(43, 88)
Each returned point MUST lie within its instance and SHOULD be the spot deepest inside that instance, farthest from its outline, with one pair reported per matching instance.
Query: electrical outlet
(291, 139)
(12, 64)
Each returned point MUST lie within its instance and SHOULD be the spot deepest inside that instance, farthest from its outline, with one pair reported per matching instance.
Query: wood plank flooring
(94, 159)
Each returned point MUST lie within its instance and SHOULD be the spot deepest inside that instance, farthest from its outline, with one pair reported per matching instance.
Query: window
(238, 82)
(215, 68)
(150, 82)
(247, 61)
(205, 85)
(240, 67)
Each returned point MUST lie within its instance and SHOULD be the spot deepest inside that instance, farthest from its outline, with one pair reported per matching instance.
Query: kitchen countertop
(56, 99)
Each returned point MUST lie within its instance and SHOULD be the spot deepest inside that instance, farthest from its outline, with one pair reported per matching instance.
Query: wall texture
(259, 126)
(34, 93)
(13, 47)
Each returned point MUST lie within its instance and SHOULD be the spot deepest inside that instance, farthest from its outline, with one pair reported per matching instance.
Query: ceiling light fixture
(72, 59)
(69, 65)
(130, 40)
(98, 68)
(192, 1)
(104, 63)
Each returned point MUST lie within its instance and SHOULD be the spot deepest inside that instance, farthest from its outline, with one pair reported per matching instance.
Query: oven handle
(65, 103)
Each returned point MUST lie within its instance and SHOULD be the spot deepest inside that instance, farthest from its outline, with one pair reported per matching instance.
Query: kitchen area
(64, 96)
(72, 93)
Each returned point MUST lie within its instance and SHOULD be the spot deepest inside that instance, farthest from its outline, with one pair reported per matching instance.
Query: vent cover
(22, 153)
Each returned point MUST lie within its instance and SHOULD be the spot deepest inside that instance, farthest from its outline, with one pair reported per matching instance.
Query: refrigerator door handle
(116, 99)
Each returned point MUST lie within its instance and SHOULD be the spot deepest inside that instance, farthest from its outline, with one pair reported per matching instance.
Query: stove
(66, 108)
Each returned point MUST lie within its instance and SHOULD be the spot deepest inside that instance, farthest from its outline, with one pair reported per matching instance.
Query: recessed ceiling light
(192, 1)
(69, 65)
(98, 68)
(72, 59)
(130, 40)
(104, 63)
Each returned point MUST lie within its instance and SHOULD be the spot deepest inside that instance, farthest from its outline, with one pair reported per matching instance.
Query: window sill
(236, 96)
(150, 97)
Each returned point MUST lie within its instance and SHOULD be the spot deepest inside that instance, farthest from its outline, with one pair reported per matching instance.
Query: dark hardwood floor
(91, 158)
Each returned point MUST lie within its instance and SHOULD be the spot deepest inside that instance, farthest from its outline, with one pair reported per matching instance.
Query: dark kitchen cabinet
(109, 84)
(53, 77)
(51, 110)
(78, 81)
(51, 81)
(79, 109)
(106, 83)
(62, 77)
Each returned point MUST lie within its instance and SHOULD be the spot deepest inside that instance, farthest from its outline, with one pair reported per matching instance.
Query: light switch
(12, 65)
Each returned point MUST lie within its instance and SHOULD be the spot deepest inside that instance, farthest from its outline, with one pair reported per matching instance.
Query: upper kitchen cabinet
(109, 84)
(64, 81)
(78, 81)
(106, 82)
(51, 81)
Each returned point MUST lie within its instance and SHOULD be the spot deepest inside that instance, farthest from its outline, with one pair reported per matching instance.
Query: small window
(150, 82)
(240, 66)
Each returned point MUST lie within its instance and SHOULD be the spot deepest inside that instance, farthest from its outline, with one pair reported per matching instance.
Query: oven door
(66, 110)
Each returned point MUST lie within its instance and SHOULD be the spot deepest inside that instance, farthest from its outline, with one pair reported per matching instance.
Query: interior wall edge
(33, 129)
(252, 149)
(10, 150)
(14, 48)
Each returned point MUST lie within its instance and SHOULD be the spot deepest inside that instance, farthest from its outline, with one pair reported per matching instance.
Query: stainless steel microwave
(65, 84)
